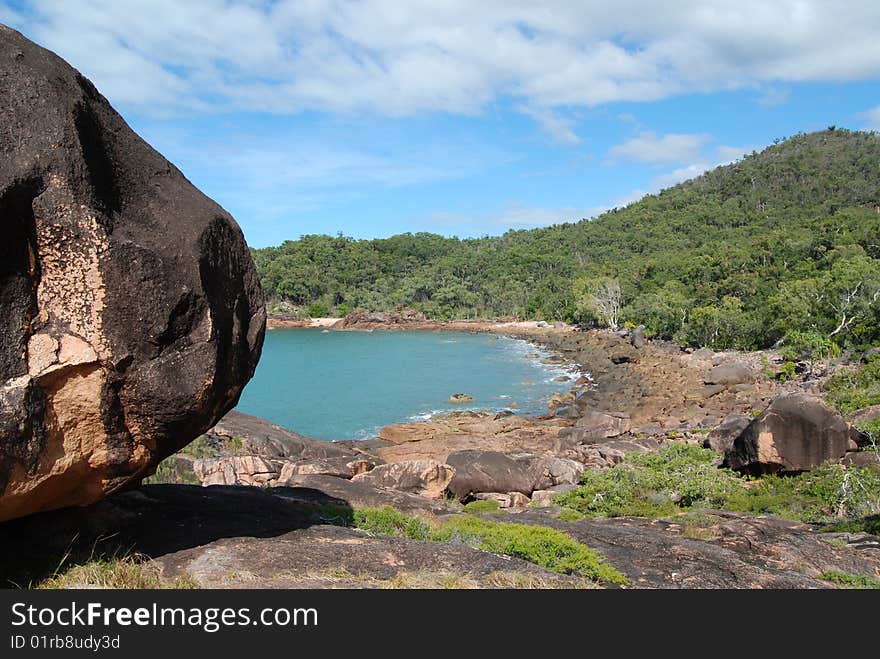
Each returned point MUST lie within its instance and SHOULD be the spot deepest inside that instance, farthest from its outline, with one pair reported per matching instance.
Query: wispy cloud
(648, 147)
(394, 58)
(559, 128)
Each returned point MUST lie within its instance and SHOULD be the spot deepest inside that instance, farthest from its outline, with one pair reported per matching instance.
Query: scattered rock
(731, 374)
(544, 498)
(235, 470)
(570, 412)
(865, 414)
(360, 319)
(550, 471)
(596, 426)
(797, 432)
(505, 499)
(422, 477)
(268, 440)
(862, 459)
(339, 467)
(461, 398)
(721, 438)
(558, 400)
(131, 315)
(720, 550)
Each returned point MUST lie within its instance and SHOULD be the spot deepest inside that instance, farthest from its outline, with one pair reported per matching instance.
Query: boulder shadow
(155, 520)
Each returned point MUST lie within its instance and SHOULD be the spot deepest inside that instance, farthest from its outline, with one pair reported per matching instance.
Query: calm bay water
(347, 385)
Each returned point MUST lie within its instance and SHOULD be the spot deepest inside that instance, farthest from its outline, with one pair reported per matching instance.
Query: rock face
(731, 374)
(797, 432)
(722, 437)
(380, 319)
(489, 471)
(423, 477)
(131, 315)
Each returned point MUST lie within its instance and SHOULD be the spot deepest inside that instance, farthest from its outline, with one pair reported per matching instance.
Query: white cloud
(395, 58)
(723, 155)
(559, 128)
(678, 175)
(648, 147)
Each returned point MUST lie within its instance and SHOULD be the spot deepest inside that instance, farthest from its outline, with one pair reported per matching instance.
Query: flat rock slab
(268, 440)
(460, 431)
(159, 519)
(726, 550)
(320, 488)
(338, 557)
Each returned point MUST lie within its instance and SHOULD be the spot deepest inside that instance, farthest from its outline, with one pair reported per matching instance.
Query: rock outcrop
(797, 432)
(131, 315)
(379, 319)
(489, 471)
(426, 478)
(722, 437)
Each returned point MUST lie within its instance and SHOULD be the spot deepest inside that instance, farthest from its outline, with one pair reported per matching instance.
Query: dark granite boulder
(131, 315)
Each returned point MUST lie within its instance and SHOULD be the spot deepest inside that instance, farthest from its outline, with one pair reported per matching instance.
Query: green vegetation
(482, 506)
(782, 244)
(855, 388)
(846, 580)
(387, 521)
(681, 477)
(569, 515)
(869, 524)
(174, 470)
(548, 548)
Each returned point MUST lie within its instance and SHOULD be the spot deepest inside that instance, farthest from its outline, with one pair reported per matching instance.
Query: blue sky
(378, 117)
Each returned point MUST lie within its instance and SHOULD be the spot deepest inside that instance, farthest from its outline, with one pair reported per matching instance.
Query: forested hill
(783, 240)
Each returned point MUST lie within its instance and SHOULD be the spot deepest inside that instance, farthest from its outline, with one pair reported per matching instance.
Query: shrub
(846, 580)
(482, 506)
(681, 477)
(655, 484)
(317, 310)
(548, 548)
(854, 389)
(387, 521)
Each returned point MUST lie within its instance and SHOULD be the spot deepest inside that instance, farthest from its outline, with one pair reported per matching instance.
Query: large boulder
(131, 315)
(490, 471)
(797, 432)
(426, 478)
(235, 470)
(732, 373)
(722, 437)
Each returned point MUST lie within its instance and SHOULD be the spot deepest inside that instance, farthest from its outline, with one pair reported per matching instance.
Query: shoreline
(276, 322)
(659, 386)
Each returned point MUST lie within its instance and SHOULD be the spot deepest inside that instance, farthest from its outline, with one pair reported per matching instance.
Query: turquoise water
(347, 385)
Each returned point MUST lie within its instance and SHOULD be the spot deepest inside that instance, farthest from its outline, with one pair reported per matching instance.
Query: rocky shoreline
(639, 399)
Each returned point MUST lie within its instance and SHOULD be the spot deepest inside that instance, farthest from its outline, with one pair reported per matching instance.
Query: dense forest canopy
(785, 242)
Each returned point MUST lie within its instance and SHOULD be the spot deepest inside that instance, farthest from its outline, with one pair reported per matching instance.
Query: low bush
(681, 477)
(846, 580)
